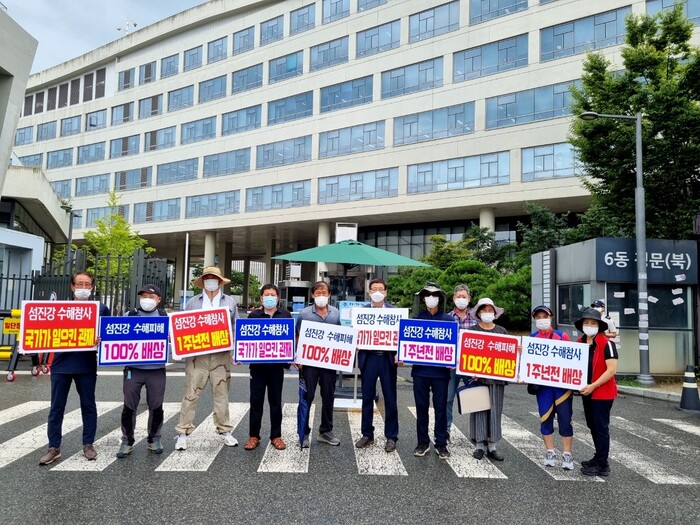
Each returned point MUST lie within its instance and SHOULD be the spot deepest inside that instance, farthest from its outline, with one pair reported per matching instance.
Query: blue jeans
(60, 386)
(451, 391)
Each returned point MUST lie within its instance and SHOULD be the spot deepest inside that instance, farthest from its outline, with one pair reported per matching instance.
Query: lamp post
(644, 376)
(69, 248)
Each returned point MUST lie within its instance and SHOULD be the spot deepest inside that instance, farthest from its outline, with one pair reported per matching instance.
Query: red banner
(483, 354)
(58, 326)
(199, 332)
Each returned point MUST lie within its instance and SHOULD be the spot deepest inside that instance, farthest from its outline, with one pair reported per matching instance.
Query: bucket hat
(590, 313)
(213, 271)
(485, 301)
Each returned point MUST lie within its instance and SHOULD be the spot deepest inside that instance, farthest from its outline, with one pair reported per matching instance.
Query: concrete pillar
(246, 280)
(487, 218)
(324, 237)
(224, 250)
(179, 279)
(209, 248)
(269, 262)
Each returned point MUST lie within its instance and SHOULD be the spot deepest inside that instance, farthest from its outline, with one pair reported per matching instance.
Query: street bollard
(690, 401)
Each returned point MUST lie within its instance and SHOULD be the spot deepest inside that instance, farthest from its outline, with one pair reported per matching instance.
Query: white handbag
(473, 399)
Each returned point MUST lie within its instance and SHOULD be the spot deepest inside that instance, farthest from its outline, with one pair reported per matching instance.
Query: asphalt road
(655, 472)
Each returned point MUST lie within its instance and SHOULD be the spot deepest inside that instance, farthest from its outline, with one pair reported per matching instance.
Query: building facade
(246, 129)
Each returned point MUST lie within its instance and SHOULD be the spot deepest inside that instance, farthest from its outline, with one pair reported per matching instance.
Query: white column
(487, 218)
(269, 262)
(324, 237)
(209, 248)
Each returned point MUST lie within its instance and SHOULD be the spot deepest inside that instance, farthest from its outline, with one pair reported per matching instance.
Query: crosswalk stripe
(22, 410)
(203, 444)
(461, 460)
(293, 459)
(35, 438)
(107, 446)
(681, 425)
(532, 448)
(636, 461)
(656, 438)
(373, 460)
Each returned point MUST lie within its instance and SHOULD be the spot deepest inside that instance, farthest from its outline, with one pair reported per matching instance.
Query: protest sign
(483, 354)
(58, 326)
(378, 328)
(328, 346)
(345, 308)
(200, 332)
(551, 362)
(264, 341)
(133, 340)
(423, 342)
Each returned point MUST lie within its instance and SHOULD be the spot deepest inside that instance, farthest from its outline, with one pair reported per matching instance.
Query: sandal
(278, 443)
(252, 443)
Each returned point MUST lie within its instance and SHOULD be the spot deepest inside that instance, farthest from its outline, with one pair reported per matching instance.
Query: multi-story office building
(253, 126)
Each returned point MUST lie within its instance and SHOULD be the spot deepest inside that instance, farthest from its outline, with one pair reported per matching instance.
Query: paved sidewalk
(666, 391)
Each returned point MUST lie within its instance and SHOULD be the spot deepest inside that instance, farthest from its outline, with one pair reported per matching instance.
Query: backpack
(134, 311)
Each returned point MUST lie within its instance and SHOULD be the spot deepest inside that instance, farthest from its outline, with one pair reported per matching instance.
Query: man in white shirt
(600, 306)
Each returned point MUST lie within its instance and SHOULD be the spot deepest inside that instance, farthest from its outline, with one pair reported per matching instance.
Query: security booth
(294, 294)
(570, 278)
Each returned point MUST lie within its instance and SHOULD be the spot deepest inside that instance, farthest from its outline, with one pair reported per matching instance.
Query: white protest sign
(378, 328)
(550, 362)
(328, 346)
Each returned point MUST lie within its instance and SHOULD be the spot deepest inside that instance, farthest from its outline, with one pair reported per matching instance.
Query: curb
(649, 393)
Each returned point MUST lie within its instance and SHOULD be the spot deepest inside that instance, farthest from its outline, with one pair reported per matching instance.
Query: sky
(67, 29)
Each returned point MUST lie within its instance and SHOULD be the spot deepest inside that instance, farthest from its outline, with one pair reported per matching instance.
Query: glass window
(241, 120)
(216, 50)
(290, 108)
(100, 76)
(364, 5)
(62, 96)
(248, 78)
(96, 214)
(283, 152)
(278, 196)
(46, 131)
(91, 153)
(96, 120)
(147, 73)
(571, 298)
(335, 10)
(378, 39)
(62, 188)
(203, 129)
(461, 173)
(212, 89)
(433, 22)
(92, 185)
(192, 58)
(70, 126)
(124, 146)
(126, 80)
(88, 84)
(36, 160)
(435, 124)
(549, 162)
(272, 30)
(157, 211)
(26, 135)
(302, 19)
(227, 163)
(691, 8)
(159, 139)
(180, 98)
(355, 139)
(59, 158)
(39, 98)
(527, 106)
(373, 184)
(346, 94)
(123, 113)
(482, 10)
(285, 67)
(243, 40)
(151, 106)
(329, 53)
(169, 66)
(214, 204)
(490, 59)
(584, 34)
(178, 171)
(409, 79)
(132, 179)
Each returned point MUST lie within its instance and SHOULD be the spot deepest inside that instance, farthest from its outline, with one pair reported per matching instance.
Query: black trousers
(326, 379)
(597, 412)
(134, 381)
(266, 377)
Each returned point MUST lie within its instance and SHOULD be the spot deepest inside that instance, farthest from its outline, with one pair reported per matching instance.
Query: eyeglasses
(83, 285)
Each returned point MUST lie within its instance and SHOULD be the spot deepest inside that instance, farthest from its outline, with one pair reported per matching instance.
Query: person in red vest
(601, 390)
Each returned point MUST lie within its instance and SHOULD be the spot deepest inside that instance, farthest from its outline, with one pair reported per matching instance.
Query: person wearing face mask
(435, 379)
(321, 312)
(485, 426)
(461, 314)
(553, 401)
(600, 392)
(612, 329)
(79, 368)
(267, 376)
(209, 368)
(138, 376)
(379, 364)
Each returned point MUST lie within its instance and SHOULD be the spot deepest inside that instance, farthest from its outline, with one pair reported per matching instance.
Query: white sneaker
(567, 462)
(181, 442)
(229, 440)
(550, 460)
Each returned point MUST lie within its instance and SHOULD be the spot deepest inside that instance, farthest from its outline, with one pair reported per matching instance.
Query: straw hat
(485, 301)
(590, 313)
(212, 271)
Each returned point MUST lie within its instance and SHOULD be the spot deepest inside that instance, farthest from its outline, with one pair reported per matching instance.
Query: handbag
(473, 397)
(533, 389)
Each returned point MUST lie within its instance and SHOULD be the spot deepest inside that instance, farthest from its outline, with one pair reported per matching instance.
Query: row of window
(68, 93)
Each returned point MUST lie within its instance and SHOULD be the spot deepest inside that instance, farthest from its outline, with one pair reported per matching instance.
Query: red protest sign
(58, 326)
(483, 354)
(200, 332)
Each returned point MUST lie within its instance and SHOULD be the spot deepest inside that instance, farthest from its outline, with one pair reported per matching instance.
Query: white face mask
(148, 304)
(377, 297)
(590, 331)
(488, 317)
(321, 301)
(211, 285)
(82, 293)
(461, 303)
(543, 324)
(431, 301)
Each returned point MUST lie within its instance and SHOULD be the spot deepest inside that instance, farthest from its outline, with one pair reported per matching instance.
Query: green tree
(661, 79)
(512, 292)
(445, 252)
(477, 275)
(254, 285)
(546, 230)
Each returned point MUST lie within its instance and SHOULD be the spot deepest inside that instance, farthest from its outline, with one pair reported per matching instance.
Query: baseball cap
(150, 288)
(598, 304)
